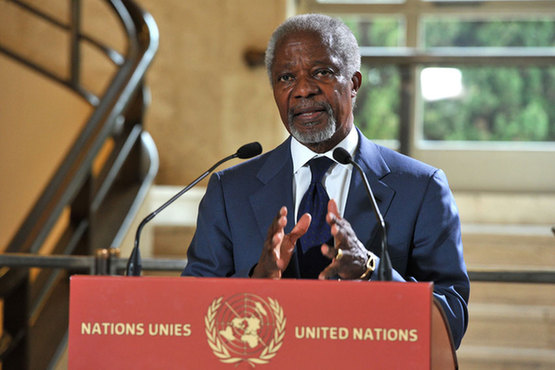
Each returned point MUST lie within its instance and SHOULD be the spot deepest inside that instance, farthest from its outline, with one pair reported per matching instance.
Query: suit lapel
(358, 210)
(276, 176)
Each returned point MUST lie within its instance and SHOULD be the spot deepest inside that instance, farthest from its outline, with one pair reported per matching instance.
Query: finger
(329, 272)
(301, 227)
(281, 265)
(271, 250)
(277, 226)
(288, 245)
(281, 218)
(342, 232)
(328, 251)
(332, 207)
(333, 213)
(276, 242)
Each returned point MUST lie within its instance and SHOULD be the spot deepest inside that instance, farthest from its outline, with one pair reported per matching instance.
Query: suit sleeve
(210, 252)
(437, 254)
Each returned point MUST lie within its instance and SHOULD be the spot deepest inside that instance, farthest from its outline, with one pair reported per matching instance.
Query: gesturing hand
(279, 246)
(353, 256)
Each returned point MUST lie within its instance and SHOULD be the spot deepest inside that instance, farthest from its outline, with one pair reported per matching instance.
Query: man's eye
(323, 73)
(285, 78)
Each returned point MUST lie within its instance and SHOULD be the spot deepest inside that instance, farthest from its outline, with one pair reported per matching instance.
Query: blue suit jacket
(420, 213)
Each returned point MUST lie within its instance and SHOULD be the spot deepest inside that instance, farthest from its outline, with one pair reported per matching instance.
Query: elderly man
(324, 227)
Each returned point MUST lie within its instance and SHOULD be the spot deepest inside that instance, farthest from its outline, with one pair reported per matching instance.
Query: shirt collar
(301, 154)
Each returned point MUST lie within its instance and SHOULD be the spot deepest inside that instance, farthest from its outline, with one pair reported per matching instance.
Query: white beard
(314, 137)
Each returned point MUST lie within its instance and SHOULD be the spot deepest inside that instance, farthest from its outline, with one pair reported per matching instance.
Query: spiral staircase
(107, 163)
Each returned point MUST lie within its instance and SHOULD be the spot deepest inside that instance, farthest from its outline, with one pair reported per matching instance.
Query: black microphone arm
(384, 269)
(134, 265)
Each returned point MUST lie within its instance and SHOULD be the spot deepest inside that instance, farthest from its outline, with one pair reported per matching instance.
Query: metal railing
(109, 262)
(101, 203)
(103, 262)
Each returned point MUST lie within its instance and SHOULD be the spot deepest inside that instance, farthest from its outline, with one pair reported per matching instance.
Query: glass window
(377, 105)
(436, 84)
(497, 32)
(377, 31)
(492, 104)
(488, 103)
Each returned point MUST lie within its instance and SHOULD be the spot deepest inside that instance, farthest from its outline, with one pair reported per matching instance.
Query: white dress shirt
(336, 180)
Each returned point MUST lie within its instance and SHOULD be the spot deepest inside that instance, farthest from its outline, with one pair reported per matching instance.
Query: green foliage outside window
(377, 105)
(498, 103)
(502, 103)
(379, 31)
(489, 33)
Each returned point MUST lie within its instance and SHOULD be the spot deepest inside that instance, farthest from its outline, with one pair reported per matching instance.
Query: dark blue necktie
(315, 201)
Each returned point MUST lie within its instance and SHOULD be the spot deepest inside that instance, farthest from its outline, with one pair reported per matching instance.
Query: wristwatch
(370, 266)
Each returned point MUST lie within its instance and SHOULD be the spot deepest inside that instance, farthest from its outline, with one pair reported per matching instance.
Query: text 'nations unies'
(122, 329)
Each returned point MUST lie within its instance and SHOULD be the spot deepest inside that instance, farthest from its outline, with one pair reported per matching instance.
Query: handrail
(90, 264)
(74, 169)
(125, 177)
(536, 275)
(152, 153)
(539, 275)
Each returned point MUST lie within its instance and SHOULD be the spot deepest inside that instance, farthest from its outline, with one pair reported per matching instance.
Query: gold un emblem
(245, 327)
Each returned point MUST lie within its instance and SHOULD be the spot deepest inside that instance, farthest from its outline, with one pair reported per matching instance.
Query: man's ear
(357, 81)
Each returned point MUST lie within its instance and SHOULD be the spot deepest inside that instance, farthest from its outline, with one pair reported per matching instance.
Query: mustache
(305, 106)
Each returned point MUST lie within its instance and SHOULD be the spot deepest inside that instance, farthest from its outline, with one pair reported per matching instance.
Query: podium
(223, 323)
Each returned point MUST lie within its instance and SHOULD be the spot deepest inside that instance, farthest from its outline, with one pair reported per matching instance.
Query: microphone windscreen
(249, 150)
(342, 156)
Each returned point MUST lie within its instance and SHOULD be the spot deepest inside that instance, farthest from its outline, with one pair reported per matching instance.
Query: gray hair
(334, 34)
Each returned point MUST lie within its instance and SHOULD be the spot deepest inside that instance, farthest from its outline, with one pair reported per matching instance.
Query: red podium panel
(209, 323)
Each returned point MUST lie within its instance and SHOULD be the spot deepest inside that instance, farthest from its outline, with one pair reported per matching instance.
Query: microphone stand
(385, 268)
(134, 265)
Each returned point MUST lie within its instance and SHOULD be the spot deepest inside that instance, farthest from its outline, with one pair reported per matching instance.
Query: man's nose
(305, 87)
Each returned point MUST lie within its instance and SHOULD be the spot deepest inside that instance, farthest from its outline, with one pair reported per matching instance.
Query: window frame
(499, 166)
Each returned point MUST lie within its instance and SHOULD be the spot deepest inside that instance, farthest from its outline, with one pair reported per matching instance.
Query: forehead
(302, 44)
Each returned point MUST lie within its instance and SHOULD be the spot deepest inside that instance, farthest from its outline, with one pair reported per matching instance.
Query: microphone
(385, 269)
(134, 265)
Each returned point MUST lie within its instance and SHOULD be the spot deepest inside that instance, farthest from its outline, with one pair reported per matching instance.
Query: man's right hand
(279, 247)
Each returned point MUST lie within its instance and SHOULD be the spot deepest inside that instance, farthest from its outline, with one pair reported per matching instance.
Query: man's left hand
(350, 262)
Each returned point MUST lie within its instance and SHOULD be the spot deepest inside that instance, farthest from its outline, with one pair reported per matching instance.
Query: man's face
(313, 98)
